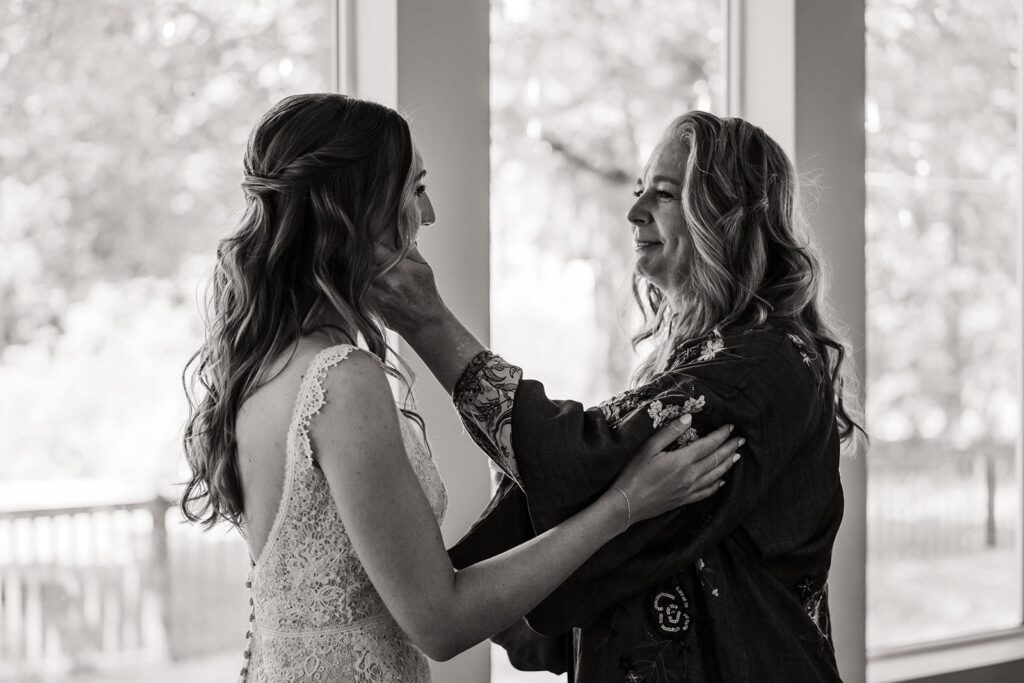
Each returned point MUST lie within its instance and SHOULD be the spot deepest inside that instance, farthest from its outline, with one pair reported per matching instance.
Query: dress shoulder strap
(311, 398)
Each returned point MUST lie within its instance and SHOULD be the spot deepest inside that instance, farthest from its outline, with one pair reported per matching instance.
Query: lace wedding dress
(316, 616)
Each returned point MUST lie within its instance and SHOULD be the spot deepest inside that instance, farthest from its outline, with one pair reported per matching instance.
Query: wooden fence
(84, 588)
(939, 502)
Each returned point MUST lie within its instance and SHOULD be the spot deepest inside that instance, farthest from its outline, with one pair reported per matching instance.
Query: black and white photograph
(511, 341)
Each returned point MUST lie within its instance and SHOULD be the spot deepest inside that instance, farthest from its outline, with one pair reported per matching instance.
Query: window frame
(1004, 647)
(775, 76)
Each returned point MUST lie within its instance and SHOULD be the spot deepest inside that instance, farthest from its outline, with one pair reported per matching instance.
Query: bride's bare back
(261, 430)
(317, 614)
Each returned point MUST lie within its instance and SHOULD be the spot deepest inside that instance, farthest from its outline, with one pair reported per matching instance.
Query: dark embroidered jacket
(729, 589)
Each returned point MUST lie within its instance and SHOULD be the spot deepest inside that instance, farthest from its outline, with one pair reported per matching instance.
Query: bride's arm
(357, 443)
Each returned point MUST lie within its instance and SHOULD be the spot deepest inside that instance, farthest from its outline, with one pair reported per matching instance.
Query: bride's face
(424, 210)
(661, 240)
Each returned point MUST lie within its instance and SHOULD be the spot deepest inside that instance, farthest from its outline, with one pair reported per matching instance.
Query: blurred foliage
(943, 314)
(580, 94)
(121, 135)
(943, 183)
(122, 127)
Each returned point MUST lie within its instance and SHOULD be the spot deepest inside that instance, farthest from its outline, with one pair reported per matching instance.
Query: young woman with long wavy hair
(295, 438)
(730, 287)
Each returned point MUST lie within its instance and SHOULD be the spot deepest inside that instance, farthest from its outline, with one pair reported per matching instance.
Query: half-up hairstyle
(325, 177)
(752, 262)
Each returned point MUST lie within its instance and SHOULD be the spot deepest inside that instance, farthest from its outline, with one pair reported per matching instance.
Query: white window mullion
(1020, 283)
(802, 62)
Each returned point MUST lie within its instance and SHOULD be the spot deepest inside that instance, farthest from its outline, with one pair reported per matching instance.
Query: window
(943, 180)
(580, 94)
(121, 136)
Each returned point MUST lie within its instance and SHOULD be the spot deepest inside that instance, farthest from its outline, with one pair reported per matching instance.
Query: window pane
(943, 313)
(580, 93)
(121, 135)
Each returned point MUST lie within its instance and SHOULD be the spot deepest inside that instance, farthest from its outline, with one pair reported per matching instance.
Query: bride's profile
(295, 438)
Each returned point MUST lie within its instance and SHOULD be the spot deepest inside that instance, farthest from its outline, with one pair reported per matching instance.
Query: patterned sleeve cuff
(484, 396)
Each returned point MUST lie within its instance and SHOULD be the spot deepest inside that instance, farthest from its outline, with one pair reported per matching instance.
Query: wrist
(617, 512)
(426, 327)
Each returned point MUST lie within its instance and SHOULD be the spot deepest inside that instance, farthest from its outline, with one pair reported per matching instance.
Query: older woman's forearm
(445, 345)
(481, 384)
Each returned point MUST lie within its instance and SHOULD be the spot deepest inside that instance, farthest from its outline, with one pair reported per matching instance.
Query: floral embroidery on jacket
(711, 348)
(662, 414)
(815, 602)
(693, 405)
(484, 396)
(801, 347)
(661, 405)
(653, 660)
(671, 612)
(705, 572)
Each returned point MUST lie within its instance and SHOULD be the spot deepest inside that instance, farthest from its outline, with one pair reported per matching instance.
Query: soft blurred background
(121, 130)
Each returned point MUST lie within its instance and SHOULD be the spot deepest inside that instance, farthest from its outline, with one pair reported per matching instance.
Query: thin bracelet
(628, 514)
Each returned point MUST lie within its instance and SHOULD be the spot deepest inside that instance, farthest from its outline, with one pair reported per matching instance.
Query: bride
(295, 438)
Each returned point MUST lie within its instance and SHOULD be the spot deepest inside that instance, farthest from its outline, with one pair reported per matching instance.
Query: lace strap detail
(299, 451)
(312, 397)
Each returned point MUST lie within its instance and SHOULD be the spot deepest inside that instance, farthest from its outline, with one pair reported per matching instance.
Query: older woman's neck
(674, 300)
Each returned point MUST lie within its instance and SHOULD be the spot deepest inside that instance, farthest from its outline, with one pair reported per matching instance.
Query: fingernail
(735, 457)
(741, 442)
(730, 429)
(721, 484)
(686, 419)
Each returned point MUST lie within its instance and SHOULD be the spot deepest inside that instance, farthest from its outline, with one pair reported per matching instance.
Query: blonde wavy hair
(752, 262)
(325, 176)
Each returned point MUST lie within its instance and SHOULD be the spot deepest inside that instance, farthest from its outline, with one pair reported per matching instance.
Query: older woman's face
(660, 237)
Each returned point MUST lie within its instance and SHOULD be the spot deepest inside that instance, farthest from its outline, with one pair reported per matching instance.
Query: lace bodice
(316, 616)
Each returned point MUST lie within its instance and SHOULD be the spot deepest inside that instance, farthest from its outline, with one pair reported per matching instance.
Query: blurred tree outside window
(581, 91)
(121, 132)
(122, 127)
(944, 414)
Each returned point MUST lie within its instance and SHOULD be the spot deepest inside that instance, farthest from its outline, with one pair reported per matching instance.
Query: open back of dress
(316, 616)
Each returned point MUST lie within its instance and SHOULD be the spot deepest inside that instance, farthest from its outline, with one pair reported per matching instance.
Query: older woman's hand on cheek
(406, 294)
(406, 297)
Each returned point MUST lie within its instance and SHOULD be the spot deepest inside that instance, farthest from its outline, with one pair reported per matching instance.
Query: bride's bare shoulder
(355, 389)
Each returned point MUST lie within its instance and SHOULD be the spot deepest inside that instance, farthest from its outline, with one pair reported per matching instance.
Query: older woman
(733, 588)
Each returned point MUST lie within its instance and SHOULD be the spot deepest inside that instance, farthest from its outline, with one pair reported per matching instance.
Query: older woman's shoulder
(738, 347)
(770, 357)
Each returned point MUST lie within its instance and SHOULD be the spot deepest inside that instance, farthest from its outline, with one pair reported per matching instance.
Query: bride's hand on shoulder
(659, 480)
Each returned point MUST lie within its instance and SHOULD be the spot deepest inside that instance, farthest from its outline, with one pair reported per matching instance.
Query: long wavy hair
(325, 176)
(752, 261)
